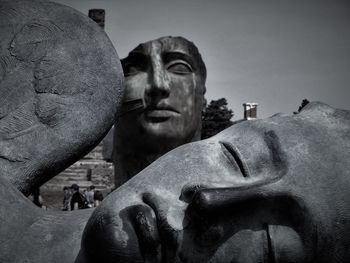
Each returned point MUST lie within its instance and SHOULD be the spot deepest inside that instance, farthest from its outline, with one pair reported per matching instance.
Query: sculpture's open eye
(131, 69)
(179, 67)
(135, 63)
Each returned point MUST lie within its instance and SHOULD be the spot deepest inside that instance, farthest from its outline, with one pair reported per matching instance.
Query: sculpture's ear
(323, 112)
(204, 99)
(338, 120)
(316, 106)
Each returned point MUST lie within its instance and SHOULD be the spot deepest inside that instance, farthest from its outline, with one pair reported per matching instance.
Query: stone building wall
(90, 170)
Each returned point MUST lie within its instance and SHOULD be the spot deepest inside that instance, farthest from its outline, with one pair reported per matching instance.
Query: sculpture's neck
(129, 164)
(130, 158)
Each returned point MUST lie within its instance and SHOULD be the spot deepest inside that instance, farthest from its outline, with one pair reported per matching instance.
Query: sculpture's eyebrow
(273, 149)
(278, 156)
(135, 57)
(175, 55)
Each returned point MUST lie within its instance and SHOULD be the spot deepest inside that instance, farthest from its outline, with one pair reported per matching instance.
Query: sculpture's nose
(158, 83)
(216, 200)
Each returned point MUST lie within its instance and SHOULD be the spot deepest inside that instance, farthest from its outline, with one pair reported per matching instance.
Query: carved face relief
(272, 190)
(163, 78)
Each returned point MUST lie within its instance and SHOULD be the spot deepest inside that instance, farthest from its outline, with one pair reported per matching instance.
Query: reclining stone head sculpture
(272, 190)
(163, 103)
(277, 194)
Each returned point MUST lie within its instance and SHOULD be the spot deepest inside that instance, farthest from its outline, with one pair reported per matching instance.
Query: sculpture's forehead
(317, 121)
(164, 45)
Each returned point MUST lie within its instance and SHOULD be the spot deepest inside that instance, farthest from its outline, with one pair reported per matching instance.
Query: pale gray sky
(274, 52)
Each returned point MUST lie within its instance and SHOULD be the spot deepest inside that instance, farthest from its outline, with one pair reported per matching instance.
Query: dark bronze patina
(163, 103)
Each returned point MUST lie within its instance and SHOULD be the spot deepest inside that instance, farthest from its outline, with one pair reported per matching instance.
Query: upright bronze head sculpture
(272, 190)
(163, 102)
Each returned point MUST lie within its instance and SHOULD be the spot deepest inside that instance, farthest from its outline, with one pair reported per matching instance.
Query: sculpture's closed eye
(232, 153)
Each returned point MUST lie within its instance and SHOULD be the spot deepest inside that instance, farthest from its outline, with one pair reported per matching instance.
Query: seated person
(77, 200)
(67, 195)
(98, 197)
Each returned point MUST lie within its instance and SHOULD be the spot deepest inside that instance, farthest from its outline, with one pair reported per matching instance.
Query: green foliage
(216, 118)
(303, 104)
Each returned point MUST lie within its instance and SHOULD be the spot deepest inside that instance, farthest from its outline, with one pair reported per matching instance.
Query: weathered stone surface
(31, 234)
(163, 103)
(60, 87)
(272, 190)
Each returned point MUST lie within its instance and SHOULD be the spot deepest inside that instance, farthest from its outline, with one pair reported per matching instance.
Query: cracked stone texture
(60, 87)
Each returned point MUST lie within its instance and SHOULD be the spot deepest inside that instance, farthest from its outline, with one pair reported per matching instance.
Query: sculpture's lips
(280, 236)
(160, 113)
(274, 238)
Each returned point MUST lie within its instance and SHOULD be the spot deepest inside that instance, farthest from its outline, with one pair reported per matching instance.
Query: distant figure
(162, 106)
(67, 195)
(89, 195)
(77, 200)
(98, 197)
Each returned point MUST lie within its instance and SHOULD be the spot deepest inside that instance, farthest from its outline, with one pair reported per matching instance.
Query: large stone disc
(60, 89)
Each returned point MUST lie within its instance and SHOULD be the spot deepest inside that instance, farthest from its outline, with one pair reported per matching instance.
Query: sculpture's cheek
(246, 246)
(285, 244)
(272, 244)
